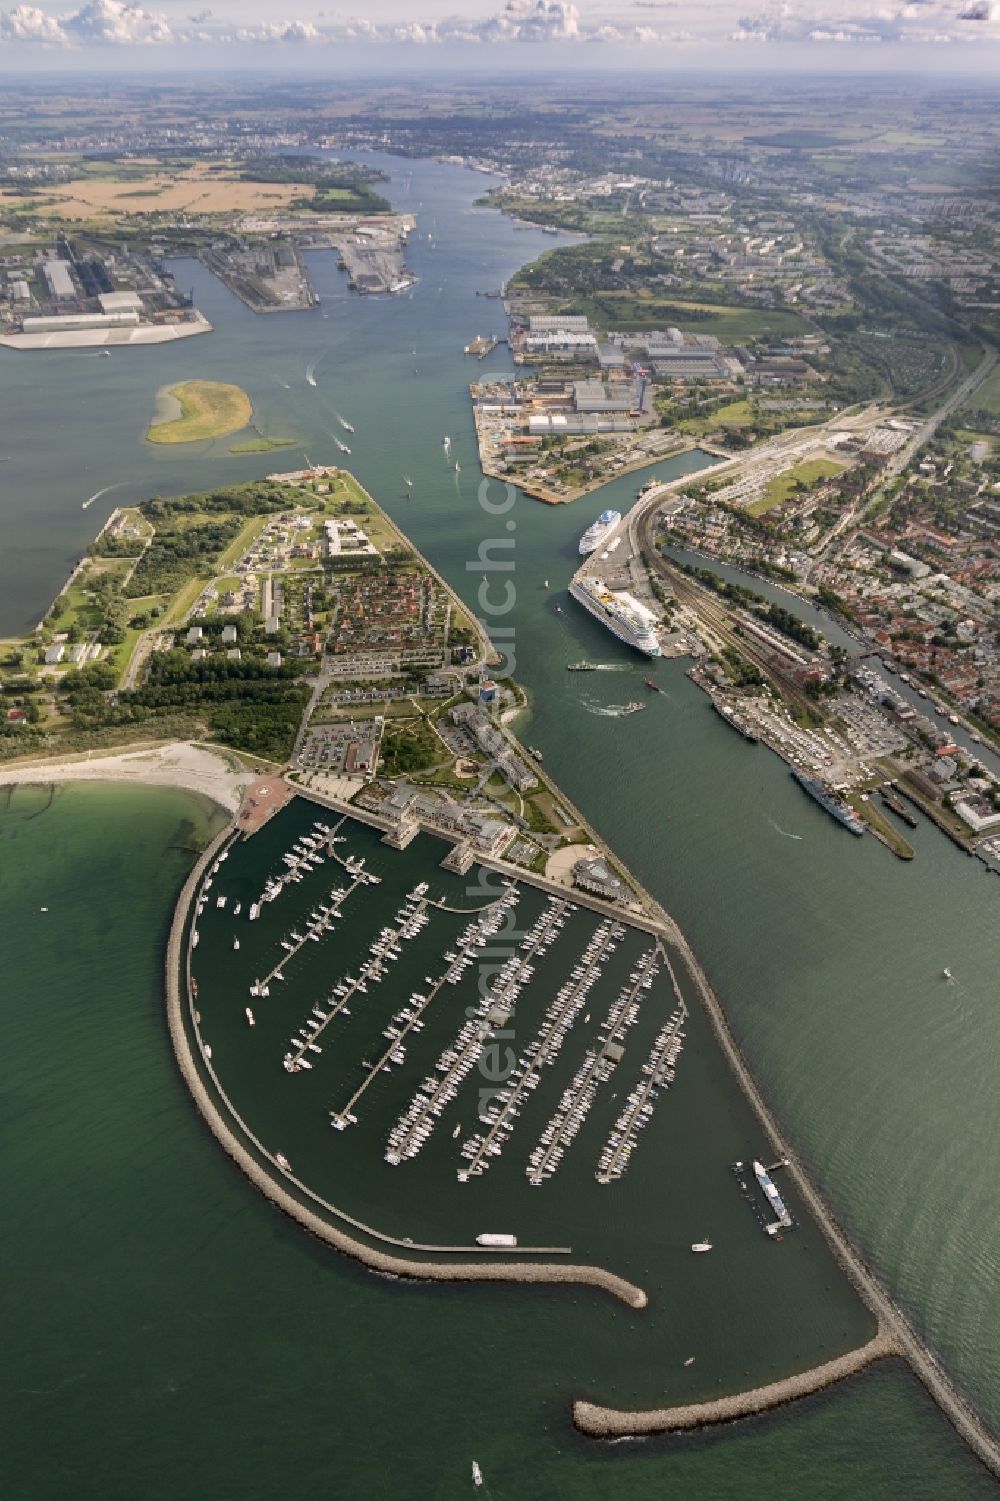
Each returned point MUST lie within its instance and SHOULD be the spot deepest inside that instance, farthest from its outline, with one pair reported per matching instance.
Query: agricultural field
(105, 191)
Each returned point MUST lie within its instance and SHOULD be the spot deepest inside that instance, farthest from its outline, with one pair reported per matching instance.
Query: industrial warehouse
(71, 301)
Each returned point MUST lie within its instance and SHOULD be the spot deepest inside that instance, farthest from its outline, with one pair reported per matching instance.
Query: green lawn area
(636, 311)
(79, 608)
(121, 655)
(987, 397)
(242, 541)
(734, 414)
(263, 445)
(183, 600)
(783, 485)
(209, 409)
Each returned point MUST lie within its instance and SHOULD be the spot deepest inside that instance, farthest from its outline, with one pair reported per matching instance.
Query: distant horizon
(122, 70)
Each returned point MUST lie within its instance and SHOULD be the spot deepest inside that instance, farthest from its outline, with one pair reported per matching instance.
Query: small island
(201, 409)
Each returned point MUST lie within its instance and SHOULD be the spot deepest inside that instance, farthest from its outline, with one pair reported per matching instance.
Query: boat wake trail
(98, 493)
(606, 711)
(783, 832)
(311, 370)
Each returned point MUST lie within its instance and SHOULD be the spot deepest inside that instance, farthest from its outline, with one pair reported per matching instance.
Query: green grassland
(209, 409)
(987, 397)
(262, 445)
(635, 311)
(787, 484)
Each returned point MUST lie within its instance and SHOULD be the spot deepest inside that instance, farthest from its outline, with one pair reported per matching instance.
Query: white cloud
(855, 21)
(541, 23)
(110, 23)
(282, 31)
(26, 23)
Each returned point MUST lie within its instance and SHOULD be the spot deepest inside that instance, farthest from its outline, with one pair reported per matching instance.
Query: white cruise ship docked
(623, 615)
(598, 530)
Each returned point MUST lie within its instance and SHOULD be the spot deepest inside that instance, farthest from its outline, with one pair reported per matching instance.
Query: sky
(502, 35)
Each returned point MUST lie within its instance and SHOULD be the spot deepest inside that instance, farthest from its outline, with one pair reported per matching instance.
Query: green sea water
(139, 1263)
(167, 1333)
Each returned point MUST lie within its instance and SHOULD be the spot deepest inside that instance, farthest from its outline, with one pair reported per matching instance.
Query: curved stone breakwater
(379, 1261)
(892, 1323)
(894, 1336)
(611, 1422)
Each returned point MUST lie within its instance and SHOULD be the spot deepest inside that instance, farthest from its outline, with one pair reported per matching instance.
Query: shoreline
(200, 769)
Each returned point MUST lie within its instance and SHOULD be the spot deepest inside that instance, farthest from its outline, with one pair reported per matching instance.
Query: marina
(390, 999)
(597, 1068)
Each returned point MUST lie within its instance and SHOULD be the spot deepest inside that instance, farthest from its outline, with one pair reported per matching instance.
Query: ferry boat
(581, 667)
(783, 1219)
(633, 708)
(598, 530)
(700, 1246)
(622, 615)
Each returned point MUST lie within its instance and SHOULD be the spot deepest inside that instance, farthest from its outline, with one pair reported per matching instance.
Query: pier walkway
(549, 1039)
(465, 947)
(597, 1068)
(416, 1124)
(326, 926)
(620, 1145)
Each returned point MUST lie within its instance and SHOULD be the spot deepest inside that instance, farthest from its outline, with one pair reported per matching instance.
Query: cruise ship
(835, 806)
(601, 528)
(623, 616)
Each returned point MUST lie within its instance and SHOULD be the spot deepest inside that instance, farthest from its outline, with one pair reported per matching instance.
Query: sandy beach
(198, 768)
